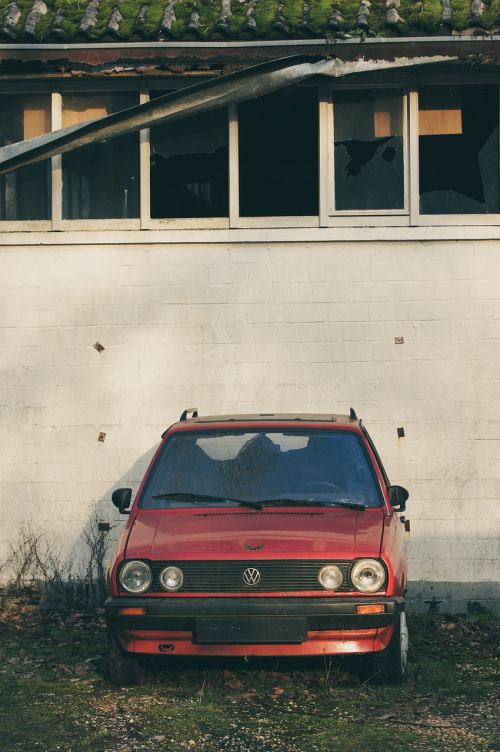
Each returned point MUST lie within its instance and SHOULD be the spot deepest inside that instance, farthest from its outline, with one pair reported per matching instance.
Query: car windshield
(218, 468)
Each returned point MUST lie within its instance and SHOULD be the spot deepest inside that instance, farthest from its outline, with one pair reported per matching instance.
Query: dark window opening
(458, 142)
(278, 155)
(101, 180)
(189, 167)
(369, 159)
(25, 193)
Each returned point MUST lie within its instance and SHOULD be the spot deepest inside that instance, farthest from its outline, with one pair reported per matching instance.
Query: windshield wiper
(311, 503)
(200, 498)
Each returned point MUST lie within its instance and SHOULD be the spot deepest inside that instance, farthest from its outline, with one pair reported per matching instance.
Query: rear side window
(326, 466)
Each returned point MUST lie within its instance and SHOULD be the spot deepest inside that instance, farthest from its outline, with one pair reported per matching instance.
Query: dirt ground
(55, 694)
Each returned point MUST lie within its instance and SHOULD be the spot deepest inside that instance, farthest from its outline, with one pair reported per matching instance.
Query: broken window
(458, 143)
(101, 180)
(278, 154)
(25, 193)
(189, 167)
(368, 154)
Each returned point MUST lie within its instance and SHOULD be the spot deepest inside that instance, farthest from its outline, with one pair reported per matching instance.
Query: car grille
(290, 575)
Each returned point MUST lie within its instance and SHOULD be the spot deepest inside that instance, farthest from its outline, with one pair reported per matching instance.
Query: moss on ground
(56, 695)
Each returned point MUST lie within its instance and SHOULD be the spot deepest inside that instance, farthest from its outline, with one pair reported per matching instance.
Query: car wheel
(124, 669)
(389, 665)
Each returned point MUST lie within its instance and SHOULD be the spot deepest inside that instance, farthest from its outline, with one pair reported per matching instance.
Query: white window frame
(176, 223)
(328, 218)
(441, 220)
(236, 220)
(33, 225)
(75, 225)
(357, 217)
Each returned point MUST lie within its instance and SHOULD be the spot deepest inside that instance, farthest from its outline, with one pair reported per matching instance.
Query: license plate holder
(251, 630)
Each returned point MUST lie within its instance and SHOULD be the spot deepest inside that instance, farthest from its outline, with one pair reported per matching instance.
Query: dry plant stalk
(34, 564)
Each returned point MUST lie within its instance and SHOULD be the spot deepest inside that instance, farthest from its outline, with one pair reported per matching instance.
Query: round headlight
(172, 578)
(136, 577)
(330, 577)
(368, 575)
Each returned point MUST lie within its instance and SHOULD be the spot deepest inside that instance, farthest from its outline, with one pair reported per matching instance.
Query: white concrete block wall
(255, 327)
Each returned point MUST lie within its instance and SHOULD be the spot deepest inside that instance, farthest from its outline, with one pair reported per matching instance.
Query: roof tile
(100, 20)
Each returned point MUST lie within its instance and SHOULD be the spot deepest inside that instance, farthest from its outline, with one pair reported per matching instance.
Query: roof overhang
(230, 89)
(144, 58)
(475, 40)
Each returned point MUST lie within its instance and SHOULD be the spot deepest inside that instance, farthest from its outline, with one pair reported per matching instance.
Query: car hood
(243, 533)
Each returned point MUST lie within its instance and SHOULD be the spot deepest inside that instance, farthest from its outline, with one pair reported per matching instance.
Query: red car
(261, 535)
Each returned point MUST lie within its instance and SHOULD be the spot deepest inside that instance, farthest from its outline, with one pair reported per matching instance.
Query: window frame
(440, 220)
(328, 217)
(60, 224)
(329, 129)
(268, 222)
(33, 225)
(175, 223)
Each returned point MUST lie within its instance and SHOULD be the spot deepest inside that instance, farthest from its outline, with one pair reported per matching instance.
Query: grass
(55, 695)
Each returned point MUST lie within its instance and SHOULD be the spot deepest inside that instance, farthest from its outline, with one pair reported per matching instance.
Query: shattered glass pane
(25, 193)
(368, 134)
(189, 167)
(278, 154)
(101, 180)
(459, 153)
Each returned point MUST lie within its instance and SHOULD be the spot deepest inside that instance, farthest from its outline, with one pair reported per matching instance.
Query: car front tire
(389, 666)
(124, 669)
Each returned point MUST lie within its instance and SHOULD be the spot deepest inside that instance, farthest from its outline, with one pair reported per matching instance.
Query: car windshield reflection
(231, 468)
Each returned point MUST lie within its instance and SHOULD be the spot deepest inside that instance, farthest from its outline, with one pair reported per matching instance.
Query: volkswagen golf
(261, 535)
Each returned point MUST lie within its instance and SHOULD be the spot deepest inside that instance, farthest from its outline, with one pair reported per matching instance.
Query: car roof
(269, 418)
(272, 417)
(265, 419)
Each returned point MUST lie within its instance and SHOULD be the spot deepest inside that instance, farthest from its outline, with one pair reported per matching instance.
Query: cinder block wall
(278, 327)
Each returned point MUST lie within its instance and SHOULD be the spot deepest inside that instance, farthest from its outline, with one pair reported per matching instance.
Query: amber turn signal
(371, 608)
(133, 611)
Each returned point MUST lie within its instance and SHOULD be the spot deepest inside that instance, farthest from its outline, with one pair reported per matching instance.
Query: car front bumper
(252, 626)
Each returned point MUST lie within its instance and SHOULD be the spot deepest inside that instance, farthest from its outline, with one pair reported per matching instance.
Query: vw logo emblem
(251, 576)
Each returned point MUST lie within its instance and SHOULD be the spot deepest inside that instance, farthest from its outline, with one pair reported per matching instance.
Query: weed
(34, 566)
(56, 695)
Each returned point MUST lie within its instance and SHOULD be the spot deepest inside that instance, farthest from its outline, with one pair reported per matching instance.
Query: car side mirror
(121, 499)
(398, 497)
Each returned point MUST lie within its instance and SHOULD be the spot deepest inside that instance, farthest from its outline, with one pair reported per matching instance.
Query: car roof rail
(185, 413)
(352, 414)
